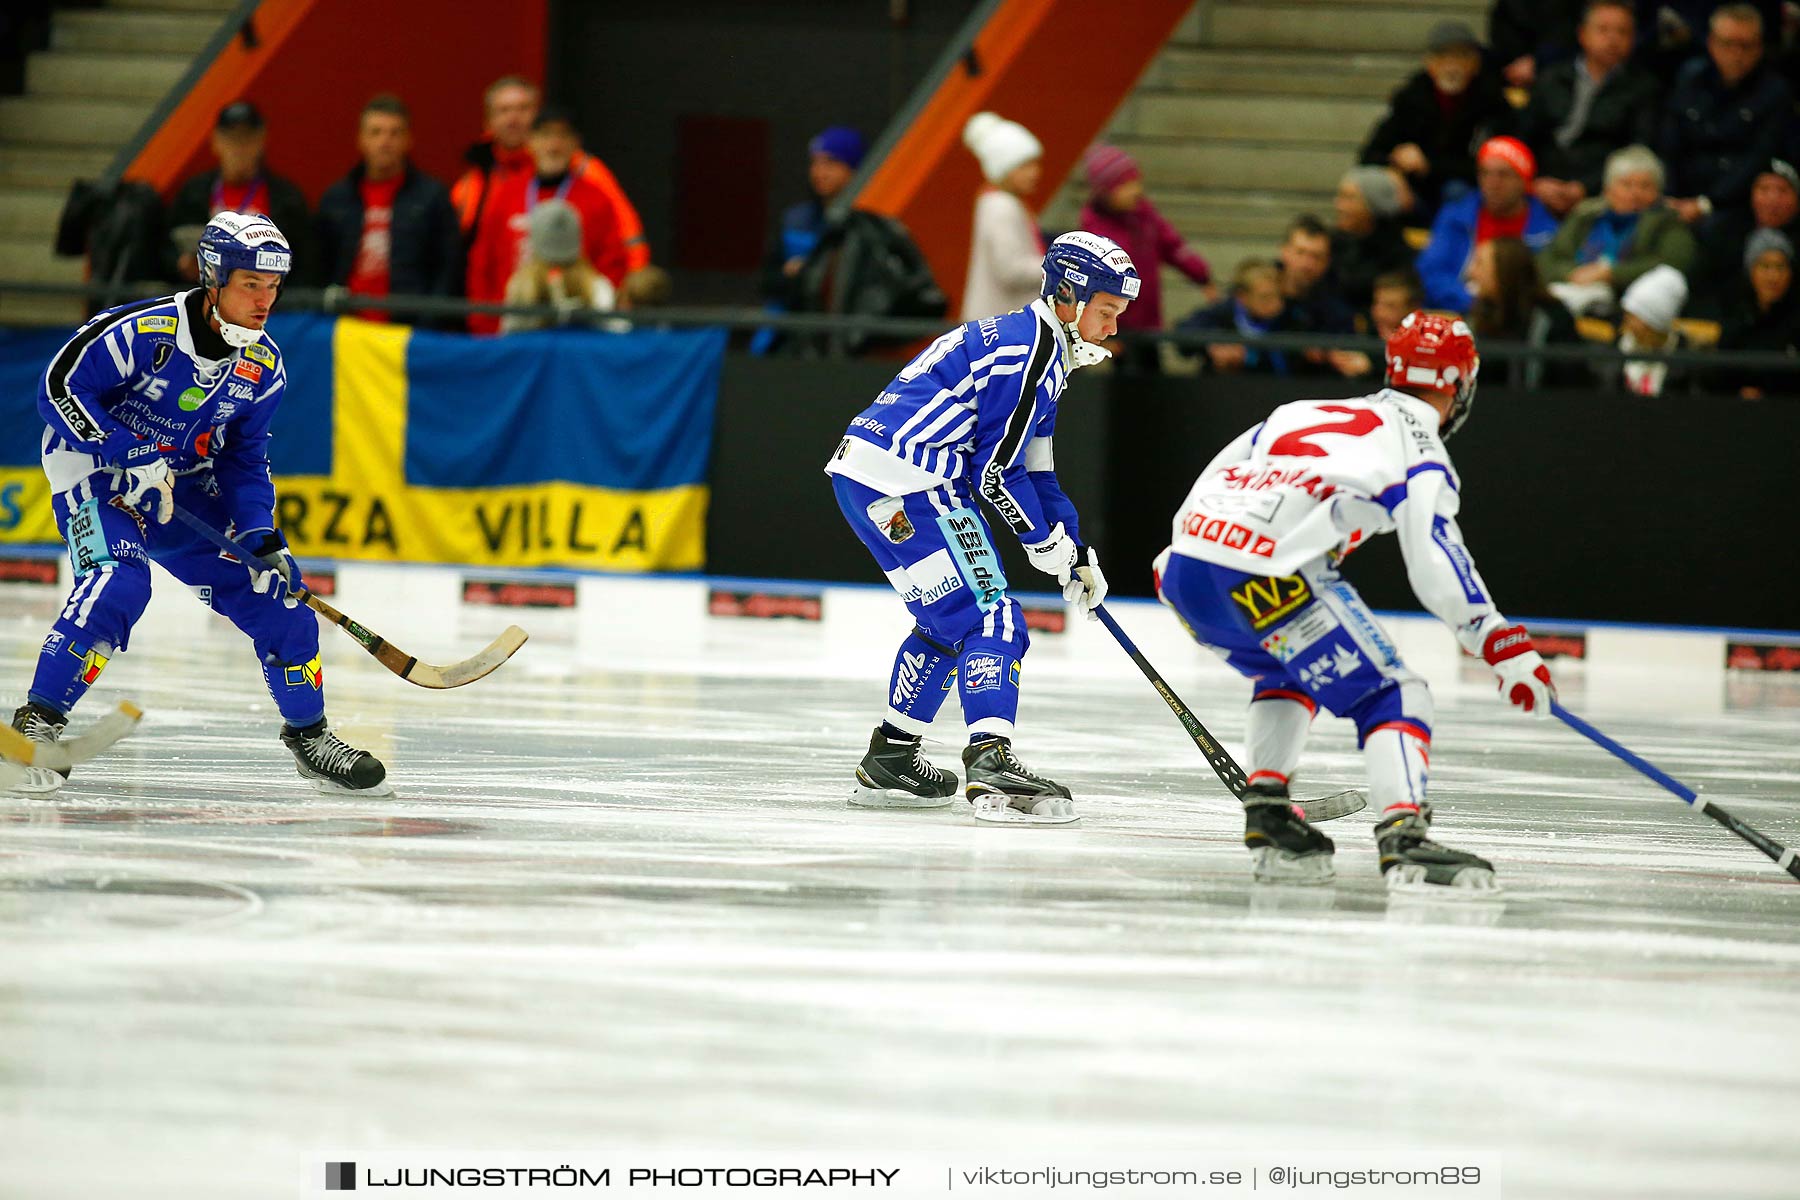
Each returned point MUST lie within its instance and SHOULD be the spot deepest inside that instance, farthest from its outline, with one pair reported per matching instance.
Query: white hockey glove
(1084, 586)
(145, 481)
(1524, 679)
(1055, 555)
(273, 572)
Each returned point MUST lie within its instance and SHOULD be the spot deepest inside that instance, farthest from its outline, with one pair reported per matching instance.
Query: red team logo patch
(247, 370)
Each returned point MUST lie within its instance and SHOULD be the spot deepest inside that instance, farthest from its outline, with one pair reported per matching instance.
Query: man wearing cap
(241, 184)
(1583, 110)
(499, 244)
(1728, 115)
(1438, 114)
(1501, 206)
(833, 157)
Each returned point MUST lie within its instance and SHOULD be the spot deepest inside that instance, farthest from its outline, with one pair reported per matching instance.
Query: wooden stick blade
(469, 669)
(20, 750)
(1330, 808)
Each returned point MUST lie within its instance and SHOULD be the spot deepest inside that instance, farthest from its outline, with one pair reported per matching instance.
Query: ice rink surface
(619, 902)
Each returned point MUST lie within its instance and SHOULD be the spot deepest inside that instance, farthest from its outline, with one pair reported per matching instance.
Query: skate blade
(1270, 865)
(1470, 883)
(862, 797)
(30, 781)
(1330, 808)
(326, 787)
(994, 808)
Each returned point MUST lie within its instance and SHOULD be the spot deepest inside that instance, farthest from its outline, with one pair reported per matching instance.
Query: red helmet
(1435, 353)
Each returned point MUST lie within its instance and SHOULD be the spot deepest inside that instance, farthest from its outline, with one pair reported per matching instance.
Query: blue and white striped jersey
(976, 411)
(155, 371)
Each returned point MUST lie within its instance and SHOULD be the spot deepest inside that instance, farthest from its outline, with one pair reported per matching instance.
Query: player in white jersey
(972, 416)
(1252, 572)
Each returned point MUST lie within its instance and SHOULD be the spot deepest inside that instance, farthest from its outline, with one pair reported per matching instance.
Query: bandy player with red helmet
(1252, 573)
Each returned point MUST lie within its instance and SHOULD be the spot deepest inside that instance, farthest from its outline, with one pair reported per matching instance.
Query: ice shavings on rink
(619, 899)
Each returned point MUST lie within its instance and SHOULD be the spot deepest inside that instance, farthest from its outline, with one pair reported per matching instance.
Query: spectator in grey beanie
(554, 273)
(1366, 238)
(1763, 314)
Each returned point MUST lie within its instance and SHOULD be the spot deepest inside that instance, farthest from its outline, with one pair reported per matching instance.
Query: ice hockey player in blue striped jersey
(164, 401)
(972, 418)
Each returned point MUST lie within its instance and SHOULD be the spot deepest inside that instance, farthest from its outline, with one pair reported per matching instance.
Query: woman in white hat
(1006, 253)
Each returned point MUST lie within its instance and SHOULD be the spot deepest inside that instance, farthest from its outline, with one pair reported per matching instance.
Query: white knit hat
(1657, 296)
(1000, 145)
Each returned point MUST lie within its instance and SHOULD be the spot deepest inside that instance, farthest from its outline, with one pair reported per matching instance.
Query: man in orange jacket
(495, 188)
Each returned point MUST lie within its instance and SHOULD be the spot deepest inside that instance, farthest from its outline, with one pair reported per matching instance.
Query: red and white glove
(1524, 679)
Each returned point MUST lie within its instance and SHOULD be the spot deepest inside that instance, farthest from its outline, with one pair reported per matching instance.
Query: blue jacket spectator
(1502, 206)
(834, 157)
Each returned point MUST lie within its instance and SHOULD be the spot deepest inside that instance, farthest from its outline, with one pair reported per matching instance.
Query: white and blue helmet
(1080, 266)
(241, 242)
(235, 241)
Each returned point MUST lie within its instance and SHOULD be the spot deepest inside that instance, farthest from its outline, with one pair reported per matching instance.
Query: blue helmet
(241, 242)
(1080, 265)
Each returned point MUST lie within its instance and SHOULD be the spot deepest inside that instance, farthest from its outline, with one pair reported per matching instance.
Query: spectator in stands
(1118, 209)
(1728, 116)
(1527, 36)
(1255, 306)
(1006, 251)
(833, 158)
(1611, 240)
(1311, 306)
(1395, 294)
(1437, 115)
(1510, 304)
(501, 166)
(1649, 308)
(1501, 207)
(1670, 32)
(1367, 240)
(1774, 204)
(1763, 314)
(242, 183)
(554, 271)
(388, 227)
(1584, 109)
(499, 246)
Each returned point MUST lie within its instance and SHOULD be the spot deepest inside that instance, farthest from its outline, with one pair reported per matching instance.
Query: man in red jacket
(499, 245)
(501, 167)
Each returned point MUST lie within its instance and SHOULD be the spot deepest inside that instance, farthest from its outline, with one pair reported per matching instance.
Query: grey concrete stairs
(84, 97)
(1254, 109)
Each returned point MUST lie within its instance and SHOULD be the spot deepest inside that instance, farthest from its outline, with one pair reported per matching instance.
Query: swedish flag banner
(567, 448)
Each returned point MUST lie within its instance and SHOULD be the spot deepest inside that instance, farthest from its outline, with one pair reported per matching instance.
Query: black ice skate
(1283, 847)
(334, 765)
(1413, 862)
(40, 724)
(1004, 791)
(896, 774)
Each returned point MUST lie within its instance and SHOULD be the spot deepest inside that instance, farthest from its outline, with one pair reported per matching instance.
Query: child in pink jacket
(1118, 209)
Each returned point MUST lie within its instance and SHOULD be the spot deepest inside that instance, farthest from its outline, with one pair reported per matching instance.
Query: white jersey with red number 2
(1320, 477)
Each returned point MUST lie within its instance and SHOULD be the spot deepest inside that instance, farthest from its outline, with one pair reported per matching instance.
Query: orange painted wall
(1058, 67)
(318, 61)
